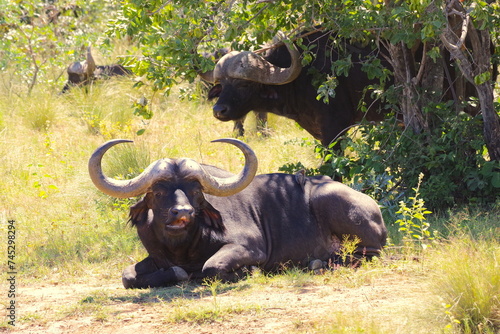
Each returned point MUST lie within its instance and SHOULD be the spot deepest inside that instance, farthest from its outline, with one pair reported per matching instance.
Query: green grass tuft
(467, 279)
(199, 313)
(39, 116)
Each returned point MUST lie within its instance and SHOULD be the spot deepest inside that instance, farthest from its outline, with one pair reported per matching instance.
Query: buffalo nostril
(178, 212)
(187, 212)
(219, 110)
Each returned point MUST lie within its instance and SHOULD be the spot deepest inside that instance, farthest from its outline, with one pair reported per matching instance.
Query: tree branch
(159, 9)
(464, 30)
(420, 73)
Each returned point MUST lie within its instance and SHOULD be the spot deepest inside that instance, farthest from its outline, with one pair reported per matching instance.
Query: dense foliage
(385, 161)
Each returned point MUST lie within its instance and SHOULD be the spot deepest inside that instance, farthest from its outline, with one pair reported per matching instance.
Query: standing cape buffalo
(277, 83)
(238, 129)
(84, 72)
(206, 222)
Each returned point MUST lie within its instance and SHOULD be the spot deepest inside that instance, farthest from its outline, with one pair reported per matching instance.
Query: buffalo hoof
(317, 266)
(180, 274)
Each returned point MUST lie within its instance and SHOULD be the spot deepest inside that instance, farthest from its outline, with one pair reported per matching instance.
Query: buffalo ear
(211, 218)
(139, 212)
(215, 92)
(269, 93)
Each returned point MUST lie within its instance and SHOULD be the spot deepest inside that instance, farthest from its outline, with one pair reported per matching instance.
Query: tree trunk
(404, 75)
(474, 60)
(491, 126)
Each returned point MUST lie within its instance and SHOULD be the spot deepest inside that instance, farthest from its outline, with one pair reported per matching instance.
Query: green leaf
(482, 78)
(495, 180)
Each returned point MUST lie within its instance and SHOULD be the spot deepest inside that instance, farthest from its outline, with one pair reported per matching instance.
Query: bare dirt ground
(389, 303)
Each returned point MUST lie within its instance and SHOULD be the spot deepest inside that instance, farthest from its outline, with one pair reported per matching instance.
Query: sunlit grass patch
(39, 112)
(95, 305)
(2, 124)
(126, 160)
(467, 279)
(213, 307)
(292, 277)
(105, 109)
(344, 323)
(208, 311)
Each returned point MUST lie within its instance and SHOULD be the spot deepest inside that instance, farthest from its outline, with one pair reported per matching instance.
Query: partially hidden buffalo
(278, 83)
(84, 72)
(238, 129)
(200, 221)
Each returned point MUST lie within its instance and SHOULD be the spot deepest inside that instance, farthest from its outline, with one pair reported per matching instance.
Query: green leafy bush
(385, 161)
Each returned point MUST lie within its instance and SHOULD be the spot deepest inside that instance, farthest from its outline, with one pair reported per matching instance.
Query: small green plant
(292, 276)
(214, 285)
(142, 109)
(413, 223)
(43, 182)
(348, 248)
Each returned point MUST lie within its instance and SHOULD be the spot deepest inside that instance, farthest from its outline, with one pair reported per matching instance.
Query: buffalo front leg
(239, 130)
(261, 119)
(228, 263)
(146, 274)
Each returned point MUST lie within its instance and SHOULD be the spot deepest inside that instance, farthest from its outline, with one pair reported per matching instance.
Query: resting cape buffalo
(84, 72)
(201, 221)
(279, 84)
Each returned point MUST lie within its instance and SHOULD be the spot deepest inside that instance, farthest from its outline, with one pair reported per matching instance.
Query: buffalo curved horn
(163, 169)
(207, 76)
(90, 63)
(231, 185)
(85, 69)
(250, 66)
(217, 55)
(123, 188)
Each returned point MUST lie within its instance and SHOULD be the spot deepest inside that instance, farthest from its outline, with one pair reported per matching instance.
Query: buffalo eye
(195, 193)
(159, 194)
(269, 93)
(197, 196)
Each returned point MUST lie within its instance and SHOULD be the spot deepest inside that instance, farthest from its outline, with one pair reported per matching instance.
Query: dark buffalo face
(237, 97)
(174, 208)
(176, 211)
(76, 79)
(246, 81)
